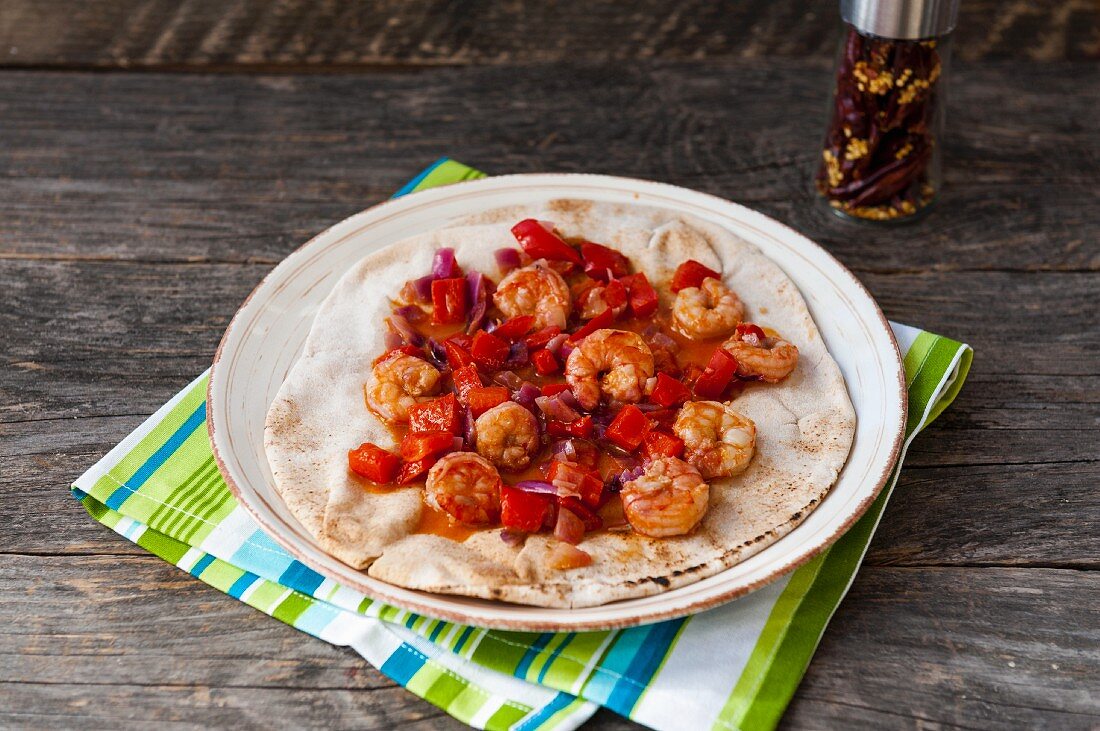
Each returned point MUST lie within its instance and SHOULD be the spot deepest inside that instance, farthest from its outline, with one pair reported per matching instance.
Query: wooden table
(158, 157)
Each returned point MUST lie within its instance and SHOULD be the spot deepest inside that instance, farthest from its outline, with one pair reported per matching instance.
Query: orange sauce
(433, 522)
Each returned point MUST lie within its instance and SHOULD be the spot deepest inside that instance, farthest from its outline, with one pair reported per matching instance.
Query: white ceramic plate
(268, 332)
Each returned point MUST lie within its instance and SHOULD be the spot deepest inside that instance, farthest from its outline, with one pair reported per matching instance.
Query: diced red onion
(603, 416)
(539, 486)
(470, 431)
(661, 340)
(564, 556)
(423, 287)
(526, 394)
(475, 286)
(513, 538)
(631, 474)
(444, 265)
(566, 349)
(393, 339)
(646, 407)
(406, 330)
(567, 449)
(477, 317)
(517, 355)
(507, 259)
(569, 399)
(509, 379)
(459, 444)
(412, 313)
(437, 352)
(556, 409)
(555, 343)
(569, 528)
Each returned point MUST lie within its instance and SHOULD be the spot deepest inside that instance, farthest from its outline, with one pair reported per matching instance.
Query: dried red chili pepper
(880, 155)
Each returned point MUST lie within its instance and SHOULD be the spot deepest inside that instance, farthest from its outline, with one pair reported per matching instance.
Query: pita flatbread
(805, 424)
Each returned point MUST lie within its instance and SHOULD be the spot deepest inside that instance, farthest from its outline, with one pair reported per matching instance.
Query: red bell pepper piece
(663, 418)
(457, 356)
(542, 244)
(581, 510)
(717, 375)
(489, 351)
(545, 362)
(540, 338)
(657, 444)
(599, 260)
(515, 328)
(486, 397)
(553, 389)
(668, 391)
(691, 274)
(615, 294)
(441, 414)
(525, 511)
(412, 471)
(418, 445)
(641, 294)
(602, 320)
(462, 340)
(449, 300)
(400, 350)
(747, 328)
(465, 379)
(374, 463)
(584, 481)
(581, 427)
(628, 428)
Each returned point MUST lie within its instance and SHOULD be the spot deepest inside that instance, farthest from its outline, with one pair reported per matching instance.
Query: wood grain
(322, 34)
(215, 168)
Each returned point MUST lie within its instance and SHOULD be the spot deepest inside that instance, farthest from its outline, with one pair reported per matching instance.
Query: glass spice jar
(881, 156)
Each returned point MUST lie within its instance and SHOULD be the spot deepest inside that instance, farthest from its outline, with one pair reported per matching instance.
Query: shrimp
(616, 362)
(710, 310)
(465, 487)
(719, 441)
(769, 358)
(534, 290)
(507, 435)
(398, 382)
(668, 499)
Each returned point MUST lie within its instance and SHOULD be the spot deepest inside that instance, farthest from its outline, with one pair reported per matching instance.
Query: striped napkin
(734, 667)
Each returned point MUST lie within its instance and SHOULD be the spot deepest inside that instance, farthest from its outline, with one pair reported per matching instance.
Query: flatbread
(805, 424)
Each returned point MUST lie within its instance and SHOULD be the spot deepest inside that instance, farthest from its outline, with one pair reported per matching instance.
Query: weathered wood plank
(993, 649)
(989, 649)
(318, 34)
(247, 168)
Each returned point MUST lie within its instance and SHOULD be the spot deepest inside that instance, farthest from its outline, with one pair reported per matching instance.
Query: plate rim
(644, 616)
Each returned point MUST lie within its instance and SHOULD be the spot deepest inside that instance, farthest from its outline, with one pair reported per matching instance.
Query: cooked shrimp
(719, 441)
(507, 435)
(770, 359)
(534, 290)
(708, 311)
(398, 382)
(615, 362)
(668, 499)
(465, 487)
